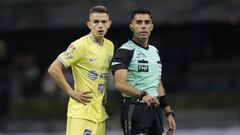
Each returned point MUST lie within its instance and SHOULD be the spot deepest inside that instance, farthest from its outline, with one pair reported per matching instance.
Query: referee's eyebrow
(146, 21)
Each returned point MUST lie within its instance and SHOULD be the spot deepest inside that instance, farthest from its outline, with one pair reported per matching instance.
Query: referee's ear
(152, 27)
(130, 26)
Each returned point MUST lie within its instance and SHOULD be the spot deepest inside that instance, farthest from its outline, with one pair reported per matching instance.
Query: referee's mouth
(143, 33)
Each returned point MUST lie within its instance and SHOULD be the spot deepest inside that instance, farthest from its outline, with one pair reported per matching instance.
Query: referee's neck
(143, 44)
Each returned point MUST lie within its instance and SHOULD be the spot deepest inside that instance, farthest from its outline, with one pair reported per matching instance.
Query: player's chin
(102, 33)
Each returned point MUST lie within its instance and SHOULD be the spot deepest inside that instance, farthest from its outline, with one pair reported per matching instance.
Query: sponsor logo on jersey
(101, 88)
(93, 75)
(87, 132)
(141, 55)
(69, 51)
(142, 61)
(103, 76)
(68, 54)
(142, 68)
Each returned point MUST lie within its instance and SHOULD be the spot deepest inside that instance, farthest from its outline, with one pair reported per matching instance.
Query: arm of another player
(55, 70)
(167, 109)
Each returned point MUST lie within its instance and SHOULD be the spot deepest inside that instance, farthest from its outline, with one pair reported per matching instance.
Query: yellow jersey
(89, 62)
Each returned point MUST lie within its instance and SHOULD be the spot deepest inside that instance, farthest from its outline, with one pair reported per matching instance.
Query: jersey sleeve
(121, 59)
(73, 54)
(159, 62)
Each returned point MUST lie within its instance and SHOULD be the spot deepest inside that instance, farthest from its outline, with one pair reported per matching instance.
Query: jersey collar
(93, 40)
(146, 48)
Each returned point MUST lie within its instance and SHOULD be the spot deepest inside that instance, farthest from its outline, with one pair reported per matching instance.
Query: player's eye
(104, 21)
(96, 21)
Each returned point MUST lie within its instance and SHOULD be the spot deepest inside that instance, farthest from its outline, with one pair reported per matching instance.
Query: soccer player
(137, 71)
(89, 58)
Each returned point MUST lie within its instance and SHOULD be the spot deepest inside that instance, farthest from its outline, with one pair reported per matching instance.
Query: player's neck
(96, 40)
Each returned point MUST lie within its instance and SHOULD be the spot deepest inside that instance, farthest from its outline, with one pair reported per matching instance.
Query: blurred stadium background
(198, 41)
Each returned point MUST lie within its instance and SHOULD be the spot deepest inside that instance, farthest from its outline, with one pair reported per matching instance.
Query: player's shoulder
(108, 42)
(80, 42)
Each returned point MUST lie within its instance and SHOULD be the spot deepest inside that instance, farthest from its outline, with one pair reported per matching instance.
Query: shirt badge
(87, 132)
(101, 88)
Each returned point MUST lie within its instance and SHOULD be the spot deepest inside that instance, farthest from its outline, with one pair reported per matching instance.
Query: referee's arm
(120, 77)
(165, 106)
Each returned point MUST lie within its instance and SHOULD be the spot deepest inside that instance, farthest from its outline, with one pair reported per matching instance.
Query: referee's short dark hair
(141, 10)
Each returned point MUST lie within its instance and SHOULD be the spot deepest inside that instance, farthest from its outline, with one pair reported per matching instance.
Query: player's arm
(165, 106)
(56, 72)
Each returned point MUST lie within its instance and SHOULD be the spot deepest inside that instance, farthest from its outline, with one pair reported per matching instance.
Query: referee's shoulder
(128, 45)
(153, 47)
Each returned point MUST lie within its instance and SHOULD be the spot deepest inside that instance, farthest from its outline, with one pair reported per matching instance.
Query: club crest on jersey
(101, 88)
(93, 75)
(87, 132)
(143, 68)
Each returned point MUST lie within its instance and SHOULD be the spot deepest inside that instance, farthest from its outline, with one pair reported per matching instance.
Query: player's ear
(109, 23)
(88, 24)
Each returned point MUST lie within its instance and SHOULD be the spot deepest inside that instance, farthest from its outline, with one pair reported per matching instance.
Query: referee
(137, 71)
